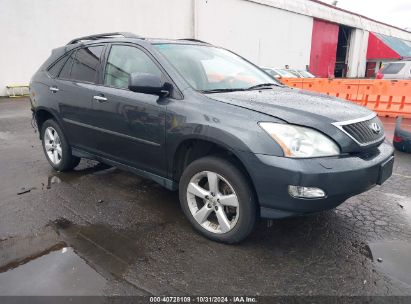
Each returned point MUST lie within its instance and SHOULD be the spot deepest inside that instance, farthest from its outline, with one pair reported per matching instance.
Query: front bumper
(340, 178)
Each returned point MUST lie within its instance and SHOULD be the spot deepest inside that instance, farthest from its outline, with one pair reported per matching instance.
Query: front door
(130, 126)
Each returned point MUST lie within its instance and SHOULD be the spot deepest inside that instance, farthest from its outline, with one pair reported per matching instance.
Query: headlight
(300, 141)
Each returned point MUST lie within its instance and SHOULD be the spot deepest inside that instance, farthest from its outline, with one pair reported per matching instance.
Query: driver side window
(124, 60)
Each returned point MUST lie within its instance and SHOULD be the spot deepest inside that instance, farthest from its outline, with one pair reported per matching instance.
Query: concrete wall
(265, 35)
(268, 32)
(29, 29)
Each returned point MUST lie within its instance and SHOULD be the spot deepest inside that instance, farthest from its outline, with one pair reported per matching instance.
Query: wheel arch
(193, 148)
(42, 114)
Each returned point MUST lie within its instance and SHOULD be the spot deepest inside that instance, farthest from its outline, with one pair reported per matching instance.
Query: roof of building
(324, 11)
(359, 15)
(401, 47)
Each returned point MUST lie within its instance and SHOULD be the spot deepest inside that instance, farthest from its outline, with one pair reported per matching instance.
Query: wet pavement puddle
(101, 245)
(59, 272)
(67, 258)
(80, 260)
(393, 258)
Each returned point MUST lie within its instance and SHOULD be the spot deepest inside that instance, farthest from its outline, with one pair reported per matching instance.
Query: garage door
(323, 48)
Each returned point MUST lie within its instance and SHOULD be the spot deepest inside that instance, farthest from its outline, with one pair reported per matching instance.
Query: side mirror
(147, 84)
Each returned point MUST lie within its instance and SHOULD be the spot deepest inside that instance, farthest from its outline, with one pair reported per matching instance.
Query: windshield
(208, 68)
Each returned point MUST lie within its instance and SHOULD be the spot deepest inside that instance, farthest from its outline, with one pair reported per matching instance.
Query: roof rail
(105, 35)
(194, 40)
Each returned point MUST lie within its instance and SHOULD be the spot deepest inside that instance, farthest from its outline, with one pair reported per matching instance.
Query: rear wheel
(56, 147)
(217, 199)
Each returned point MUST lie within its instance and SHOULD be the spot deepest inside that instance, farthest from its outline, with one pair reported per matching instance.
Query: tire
(204, 208)
(56, 148)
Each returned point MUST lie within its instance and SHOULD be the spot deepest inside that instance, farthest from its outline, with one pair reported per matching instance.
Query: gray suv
(199, 119)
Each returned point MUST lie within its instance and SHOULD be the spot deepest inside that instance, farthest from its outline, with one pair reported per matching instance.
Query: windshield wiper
(258, 86)
(264, 85)
(221, 90)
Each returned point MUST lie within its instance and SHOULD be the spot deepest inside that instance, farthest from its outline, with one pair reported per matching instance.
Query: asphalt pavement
(101, 231)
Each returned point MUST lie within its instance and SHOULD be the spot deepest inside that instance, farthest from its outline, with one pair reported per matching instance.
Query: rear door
(131, 126)
(74, 91)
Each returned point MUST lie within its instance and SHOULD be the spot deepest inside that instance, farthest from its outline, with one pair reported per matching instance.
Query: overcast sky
(394, 12)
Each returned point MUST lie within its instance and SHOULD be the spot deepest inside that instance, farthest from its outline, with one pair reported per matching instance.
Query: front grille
(363, 132)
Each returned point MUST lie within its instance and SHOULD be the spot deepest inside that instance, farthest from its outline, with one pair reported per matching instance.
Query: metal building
(383, 48)
(299, 33)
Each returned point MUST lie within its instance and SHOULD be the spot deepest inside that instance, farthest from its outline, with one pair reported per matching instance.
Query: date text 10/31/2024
(203, 299)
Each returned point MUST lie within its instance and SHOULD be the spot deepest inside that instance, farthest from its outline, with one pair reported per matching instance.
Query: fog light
(305, 192)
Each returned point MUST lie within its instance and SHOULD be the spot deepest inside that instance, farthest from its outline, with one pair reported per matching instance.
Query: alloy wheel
(52, 145)
(213, 202)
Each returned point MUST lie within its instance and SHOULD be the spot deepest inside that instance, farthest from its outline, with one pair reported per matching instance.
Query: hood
(295, 106)
(303, 108)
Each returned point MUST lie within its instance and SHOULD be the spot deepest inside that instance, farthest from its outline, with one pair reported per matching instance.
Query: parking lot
(102, 231)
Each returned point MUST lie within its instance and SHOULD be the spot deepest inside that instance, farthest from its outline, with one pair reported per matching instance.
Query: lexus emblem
(376, 129)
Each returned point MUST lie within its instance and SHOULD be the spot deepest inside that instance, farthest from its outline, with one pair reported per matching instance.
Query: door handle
(54, 89)
(100, 98)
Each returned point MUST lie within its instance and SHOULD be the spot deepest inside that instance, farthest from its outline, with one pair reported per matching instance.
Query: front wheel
(217, 199)
(56, 147)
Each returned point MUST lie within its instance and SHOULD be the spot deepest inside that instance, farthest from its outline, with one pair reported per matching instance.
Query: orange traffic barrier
(389, 98)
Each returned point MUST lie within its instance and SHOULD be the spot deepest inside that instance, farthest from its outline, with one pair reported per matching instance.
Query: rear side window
(55, 69)
(65, 72)
(82, 65)
(125, 60)
(85, 64)
(393, 68)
